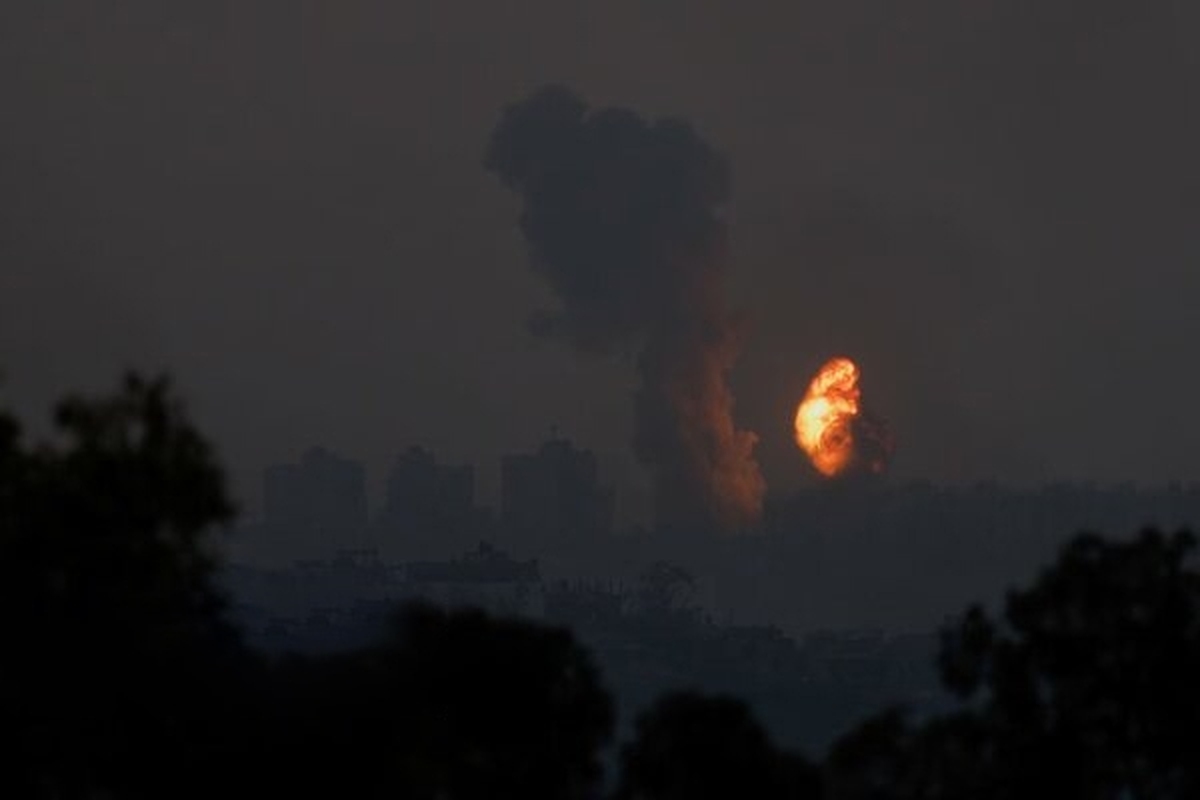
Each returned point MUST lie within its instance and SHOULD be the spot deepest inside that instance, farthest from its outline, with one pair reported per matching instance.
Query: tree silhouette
(452, 705)
(115, 647)
(691, 747)
(120, 676)
(1087, 688)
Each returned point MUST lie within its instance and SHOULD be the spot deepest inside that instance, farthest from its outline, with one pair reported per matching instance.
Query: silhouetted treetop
(1095, 665)
(1087, 688)
(692, 747)
(527, 696)
(452, 705)
(113, 627)
(120, 676)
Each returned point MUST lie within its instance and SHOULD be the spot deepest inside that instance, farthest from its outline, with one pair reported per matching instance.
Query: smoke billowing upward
(874, 443)
(621, 219)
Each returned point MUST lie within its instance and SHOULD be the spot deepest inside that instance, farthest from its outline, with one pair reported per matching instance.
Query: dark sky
(992, 206)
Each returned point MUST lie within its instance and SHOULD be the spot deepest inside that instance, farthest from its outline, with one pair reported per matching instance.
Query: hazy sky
(992, 206)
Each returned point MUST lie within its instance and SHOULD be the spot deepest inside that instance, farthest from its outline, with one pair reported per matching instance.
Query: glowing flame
(825, 417)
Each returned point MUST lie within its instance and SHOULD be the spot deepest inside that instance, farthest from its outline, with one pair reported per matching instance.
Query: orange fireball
(825, 417)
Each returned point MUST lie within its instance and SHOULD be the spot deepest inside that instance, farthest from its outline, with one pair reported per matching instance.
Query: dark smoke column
(620, 216)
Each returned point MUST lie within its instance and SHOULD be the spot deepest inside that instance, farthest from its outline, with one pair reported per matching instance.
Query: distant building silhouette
(486, 578)
(323, 495)
(554, 496)
(429, 508)
(427, 496)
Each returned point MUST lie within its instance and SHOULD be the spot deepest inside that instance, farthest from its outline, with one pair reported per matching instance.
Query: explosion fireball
(831, 427)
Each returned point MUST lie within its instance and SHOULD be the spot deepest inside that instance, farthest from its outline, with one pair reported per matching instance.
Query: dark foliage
(690, 747)
(453, 705)
(121, 678)
(1087, 689)
(113, 634)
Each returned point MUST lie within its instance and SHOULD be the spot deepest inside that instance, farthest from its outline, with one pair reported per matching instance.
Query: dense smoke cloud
(621, 217)
(873, 444)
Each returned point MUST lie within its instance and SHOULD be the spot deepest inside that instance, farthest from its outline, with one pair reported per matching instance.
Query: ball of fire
(831, 427)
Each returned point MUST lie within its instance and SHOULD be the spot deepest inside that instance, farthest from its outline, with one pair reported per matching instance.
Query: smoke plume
(621, 217)
(874, 444)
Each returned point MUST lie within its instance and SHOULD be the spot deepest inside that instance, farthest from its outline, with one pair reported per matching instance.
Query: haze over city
(623, 400)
